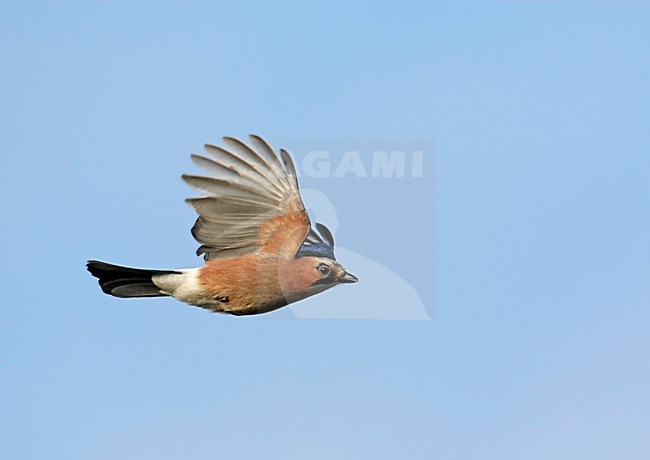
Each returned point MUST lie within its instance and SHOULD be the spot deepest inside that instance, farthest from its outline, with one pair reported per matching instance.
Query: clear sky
(525, 244)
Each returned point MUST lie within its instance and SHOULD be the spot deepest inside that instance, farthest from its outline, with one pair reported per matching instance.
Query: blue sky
(525, 241)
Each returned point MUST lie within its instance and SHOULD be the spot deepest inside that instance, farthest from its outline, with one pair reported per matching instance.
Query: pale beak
(348, 278)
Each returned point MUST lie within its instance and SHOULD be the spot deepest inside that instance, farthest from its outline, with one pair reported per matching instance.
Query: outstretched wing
(252, 202)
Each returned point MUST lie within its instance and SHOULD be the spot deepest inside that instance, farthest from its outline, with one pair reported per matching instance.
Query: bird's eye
(324, 270)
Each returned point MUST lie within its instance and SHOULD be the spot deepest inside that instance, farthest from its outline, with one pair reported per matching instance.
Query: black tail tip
(95, 267)
(121, 281)
(105, 273)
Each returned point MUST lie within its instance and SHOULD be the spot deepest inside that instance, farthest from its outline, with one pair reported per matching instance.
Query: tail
(124, 281)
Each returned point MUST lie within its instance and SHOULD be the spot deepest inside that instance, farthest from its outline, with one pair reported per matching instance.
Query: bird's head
(306, 276)
(315, 268)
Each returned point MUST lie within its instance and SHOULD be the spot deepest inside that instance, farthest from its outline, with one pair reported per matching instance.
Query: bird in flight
(261, 252)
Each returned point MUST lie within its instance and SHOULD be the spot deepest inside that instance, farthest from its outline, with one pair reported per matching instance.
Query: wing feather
(252, 201)
(228, 172)
(213, 186)
(265, 151)
(230, 160)
(291, 170)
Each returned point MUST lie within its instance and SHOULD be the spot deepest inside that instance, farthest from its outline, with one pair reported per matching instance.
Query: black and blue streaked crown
(319, 244)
